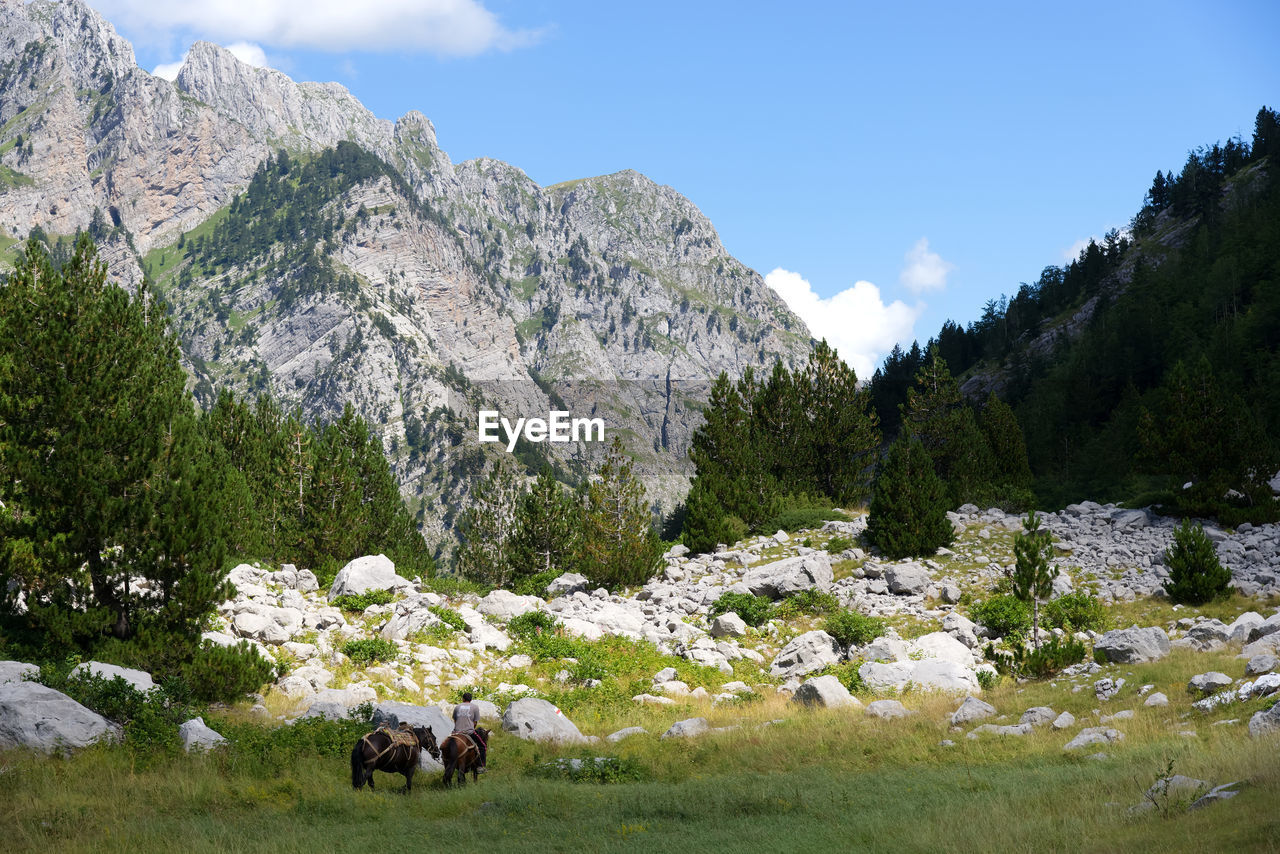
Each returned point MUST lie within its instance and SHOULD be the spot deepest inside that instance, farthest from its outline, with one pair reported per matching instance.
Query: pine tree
(548, 527)
(908, 513)
(937, 415)
(488, 527)
(96, 432)
(619, 545)
(841, 435)
(1032, 575)
(1195, 574)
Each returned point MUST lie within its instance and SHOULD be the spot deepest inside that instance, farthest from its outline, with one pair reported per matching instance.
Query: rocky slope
(474, 286)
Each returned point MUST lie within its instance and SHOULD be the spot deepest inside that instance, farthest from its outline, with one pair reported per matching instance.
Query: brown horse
(393, 751)
(458, 753)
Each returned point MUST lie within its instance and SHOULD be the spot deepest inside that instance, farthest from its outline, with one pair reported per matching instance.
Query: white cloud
(924, 270)
(1073, 251)
(855, 321)
(169, 70)
(443, 27)
(249, 53)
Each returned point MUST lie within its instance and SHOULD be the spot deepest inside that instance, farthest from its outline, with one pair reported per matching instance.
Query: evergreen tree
(619, 545)
(841, 439)
(908, 513)
(946, 427)
(548, 527)
(103, 482)
(1032, 575)
(488, 527)
(1195, 574)
(1008, 457)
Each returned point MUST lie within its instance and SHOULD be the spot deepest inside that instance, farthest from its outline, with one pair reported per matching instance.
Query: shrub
(1076, 612)
(851, 629)
(1047, 660)
(272, 748)
(838, 544)
(368, 650)
(754, 610)
(530, 624)
(1195, 574)
(223, 674)
(908, 515)
(597, 769)
(807, 602)
(536, 584)
(450, 617)
(357, 602)
(1002, 614)
(801, 518)
(987, 680)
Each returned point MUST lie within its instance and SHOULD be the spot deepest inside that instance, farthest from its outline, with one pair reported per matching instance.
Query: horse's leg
(408, 780)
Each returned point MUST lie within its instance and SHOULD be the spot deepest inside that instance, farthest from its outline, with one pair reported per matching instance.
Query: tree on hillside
(936, 414)
(548, 528)
(908, 513)
(619, 545)
(841, 435)
(488, 527)
(110, 524)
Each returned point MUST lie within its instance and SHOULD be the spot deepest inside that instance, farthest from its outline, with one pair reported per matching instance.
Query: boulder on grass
(1134, 645)
(809, 653)
(196, 734)
(371, 572)
(138, 679)
(36, 717)
(824, 691)
(535, 719)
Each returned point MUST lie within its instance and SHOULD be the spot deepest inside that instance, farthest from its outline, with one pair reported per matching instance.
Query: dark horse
(393, 751)
(458, 753)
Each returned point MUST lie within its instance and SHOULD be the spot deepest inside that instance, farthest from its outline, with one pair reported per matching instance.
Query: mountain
(309, 249)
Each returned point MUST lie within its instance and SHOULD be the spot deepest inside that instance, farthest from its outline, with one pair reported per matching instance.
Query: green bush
(987, 680)
(838, 544)
(851, 629)
(801, 518)
(1005, 615)
(1076, 612)
(454, 585)
(754, 610)
(1047, 660)
(357, 602)
(536, 584)
(540, 635)
(271, 748)
(908, 514)
(591, 769)
(369, 650)
(1195, 574)
(223, 674)
(806, 602)
(530, 624)
(450, 617)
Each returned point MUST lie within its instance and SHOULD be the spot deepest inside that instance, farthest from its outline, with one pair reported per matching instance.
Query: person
(466, 717)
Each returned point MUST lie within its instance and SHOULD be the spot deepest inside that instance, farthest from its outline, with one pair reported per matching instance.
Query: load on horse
(395, 751)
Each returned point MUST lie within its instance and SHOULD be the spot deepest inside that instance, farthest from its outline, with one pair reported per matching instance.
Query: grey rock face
(788, 577)
(371, 572)
(1066, 720)
(907, 579)
(824, 691)
(1207, 683)
(570, 582)
(1135, 645)
(16, 671)
(971, 711)
(1266, 722)
(535, 719)
(728, 625)
(1155, 700)
(138, 679)
(888, 709)
(195, 734)
(688, 728)
(504, 605)
(35, 717)
(1257, 665)
(809, 653)
(625, 732)
(1093, 735)
(1037, 716)
(431, 717)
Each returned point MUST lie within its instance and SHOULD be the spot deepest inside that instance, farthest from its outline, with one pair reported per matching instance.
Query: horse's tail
(357, 766)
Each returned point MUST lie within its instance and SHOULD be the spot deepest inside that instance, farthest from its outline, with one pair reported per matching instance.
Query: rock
(1105, 689)
(1066, 720)
(36, 717)
(259, 627)
(570, 582)
(825, 691)
(887, 648)
(1177, 787)
(674, 688)
(432, 717)
(886, 676)
(1218, 793)
(728, 625)
(1208, 683)
(306, 582)
(1093, 735)
(503, 604)
(950, 593)
(888, 709)
(688, 728)
(1207, 636)
(1265, 645)
(627, 732)
(652, 700)
(16, 671)
(971, 710)
(1262, 723)
(1269, 626)
(666, 674)
(1257, 665)
(195, 734)
(371, 572)
(1037, 716)
(944, 646)
(1156, 699)
(137, 679)
(809, 653)
(294, 686)
(536, 719)
(996, 729)
(907, 579)
(936, 674)
(491, 637)
(790, 576)
(1134, 645)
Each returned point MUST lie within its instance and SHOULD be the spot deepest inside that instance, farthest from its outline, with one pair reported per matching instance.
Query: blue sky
(908, 161)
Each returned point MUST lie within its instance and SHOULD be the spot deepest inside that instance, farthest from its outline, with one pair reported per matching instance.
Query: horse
(458, 753)
(393, 751)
